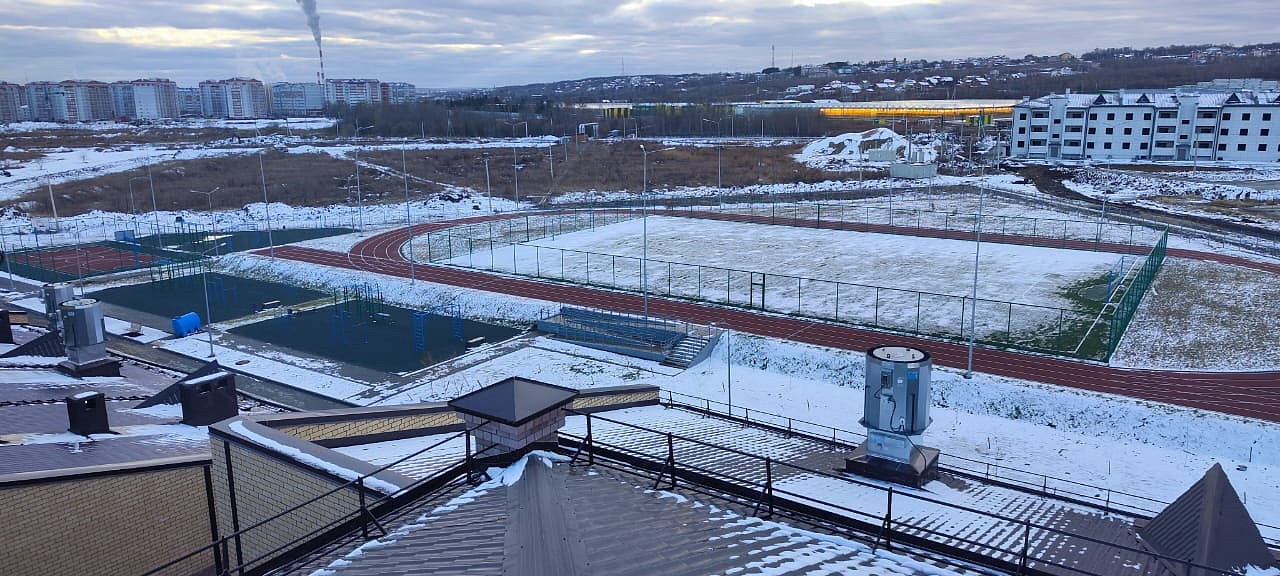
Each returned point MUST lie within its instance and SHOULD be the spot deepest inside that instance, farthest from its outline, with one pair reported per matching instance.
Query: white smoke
(313, 18)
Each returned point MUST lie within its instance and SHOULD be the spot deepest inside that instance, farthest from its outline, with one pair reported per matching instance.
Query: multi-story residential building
(297, 99)
(145, 99)
(12, 97)
(398, 92)
(234, 98)
(1241, 125)
(188, 101)
(352, 91)
(69, 101)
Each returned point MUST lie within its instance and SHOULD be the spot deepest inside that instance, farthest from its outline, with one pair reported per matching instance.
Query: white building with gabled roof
(1173, 125)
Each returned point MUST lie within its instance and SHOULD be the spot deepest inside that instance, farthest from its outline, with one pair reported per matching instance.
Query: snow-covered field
(1119, 443)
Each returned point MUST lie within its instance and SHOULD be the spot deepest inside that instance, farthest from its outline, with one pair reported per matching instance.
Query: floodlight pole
(155, 211)
(644, 224)
(488, 189)
(359, 195)
(214, 224)
(208, 325)
(973, 312)
(408, 220)
(266, 205)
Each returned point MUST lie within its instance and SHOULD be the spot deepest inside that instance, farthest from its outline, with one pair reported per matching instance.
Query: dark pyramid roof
(1143, 99)
(513, 401)
(172, 394)
(1208, 525)
(1100, 100)
(1233, 99)
(47, 346)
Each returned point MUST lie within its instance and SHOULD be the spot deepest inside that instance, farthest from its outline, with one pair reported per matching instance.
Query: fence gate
(757, 291)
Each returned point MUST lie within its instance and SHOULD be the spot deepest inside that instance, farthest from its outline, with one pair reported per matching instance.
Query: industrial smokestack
(313, 22)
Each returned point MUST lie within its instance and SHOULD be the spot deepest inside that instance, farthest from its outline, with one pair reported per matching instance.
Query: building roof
(513, 401)
(543, 516)
(1208, 525)
(1158, 98)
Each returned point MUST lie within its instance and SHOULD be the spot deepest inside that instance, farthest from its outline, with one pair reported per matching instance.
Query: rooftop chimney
(514, 416)
(87, 414)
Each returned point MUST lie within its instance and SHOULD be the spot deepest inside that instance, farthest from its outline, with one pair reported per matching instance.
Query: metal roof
(1208, 525)
(513, 401)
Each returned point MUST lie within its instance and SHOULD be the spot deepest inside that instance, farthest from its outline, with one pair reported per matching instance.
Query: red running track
(1249, 394)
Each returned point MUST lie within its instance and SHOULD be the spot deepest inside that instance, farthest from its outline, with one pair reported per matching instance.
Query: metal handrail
(589, 442)
(1108, 502)
(364, 509)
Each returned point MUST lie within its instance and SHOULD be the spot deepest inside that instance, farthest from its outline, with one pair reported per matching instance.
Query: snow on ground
(1095, 182)
(847, 152)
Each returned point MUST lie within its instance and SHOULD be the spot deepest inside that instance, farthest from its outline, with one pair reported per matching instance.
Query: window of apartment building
(1111, 130)
(1128, 116)
(1185, 121)
(1124, 146)
(1022, 129)
(1075, 128)
(1040, 114)
(1222, 132)
(1111, 115)
(1207, 114)
(1093, 115)
(1039, 128)
(1106, 145)
(1165, 129)
(1182, 137)
(1240, 147)
(1204, 144)
(1057, 120)
(1146, 131)
(1226, 115)
(1146, 116)
(1076, 143)
(1022, 116)
(1262, 147)
(1264, 132)
(1266, 117)
(1056, 136)
(1245, 116)
(1088, 145)
(1244, 131)
(1167, 114)
(1222, 147)
(1164, 144)
(1128, 131)
(1204, 129)
(1022, 144)
(1037, 142)
(1075, 114)
(1093, 130)
(1142, 146)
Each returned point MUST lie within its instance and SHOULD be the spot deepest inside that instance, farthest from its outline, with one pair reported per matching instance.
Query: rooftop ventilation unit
(208, 399)
(896, 413)
(87, 414)
(84, 334)
(55, 295)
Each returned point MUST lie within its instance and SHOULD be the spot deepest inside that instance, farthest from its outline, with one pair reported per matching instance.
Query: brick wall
(622, 397)
(360, 425)
(127, 522)
(266, 485)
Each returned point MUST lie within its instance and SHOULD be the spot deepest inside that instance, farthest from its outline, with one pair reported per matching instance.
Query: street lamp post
(266, 205)
(214, 221)
(359, 195)
(973, 312)
(488, 189)
(155, 211)
(644, 224)
(715, 123)
(408, 220)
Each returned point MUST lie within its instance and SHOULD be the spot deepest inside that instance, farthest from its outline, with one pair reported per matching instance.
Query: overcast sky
(485, 43)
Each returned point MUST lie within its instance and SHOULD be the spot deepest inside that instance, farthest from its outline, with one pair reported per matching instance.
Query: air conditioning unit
(87, 414)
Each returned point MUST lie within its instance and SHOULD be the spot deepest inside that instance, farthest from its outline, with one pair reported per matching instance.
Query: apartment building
(289, 99)
(352, 91)
(1176, 125)
(234, 98)
(152, 99)
(12, 98)
(69, 101)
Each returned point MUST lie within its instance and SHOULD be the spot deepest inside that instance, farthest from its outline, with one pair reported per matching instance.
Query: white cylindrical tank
(897, 391)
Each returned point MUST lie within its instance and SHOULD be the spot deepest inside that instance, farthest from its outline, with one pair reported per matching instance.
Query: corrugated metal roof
(1208, 525)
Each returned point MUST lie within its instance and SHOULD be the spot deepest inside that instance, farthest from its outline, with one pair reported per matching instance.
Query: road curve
(1248, 394)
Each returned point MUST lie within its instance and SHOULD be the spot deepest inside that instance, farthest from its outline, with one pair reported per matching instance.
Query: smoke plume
(313, 18)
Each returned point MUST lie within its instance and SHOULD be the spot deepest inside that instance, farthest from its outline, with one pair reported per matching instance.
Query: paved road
(1250, 394)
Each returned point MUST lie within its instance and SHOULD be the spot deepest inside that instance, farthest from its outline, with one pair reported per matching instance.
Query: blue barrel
(186, 324)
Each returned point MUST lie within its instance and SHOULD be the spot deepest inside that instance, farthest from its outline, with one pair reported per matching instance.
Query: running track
(1249, 394)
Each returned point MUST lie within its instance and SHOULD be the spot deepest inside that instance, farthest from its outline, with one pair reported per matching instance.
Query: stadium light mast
(408, 219)
(155, 211)
(644, 223)
(359, 195)
(266, 205)
(973, 312)
(214, 222)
